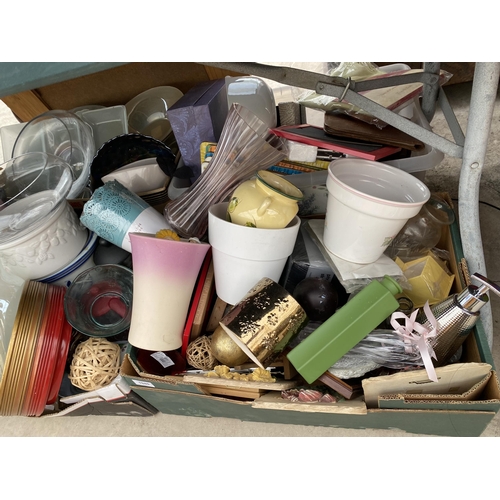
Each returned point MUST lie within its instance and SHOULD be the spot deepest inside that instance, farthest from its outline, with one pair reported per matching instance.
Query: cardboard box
(483, 396)
(197, 117)
(455, 379)
(442, 417)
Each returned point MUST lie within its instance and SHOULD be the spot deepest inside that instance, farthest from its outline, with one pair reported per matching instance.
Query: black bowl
(128, 148)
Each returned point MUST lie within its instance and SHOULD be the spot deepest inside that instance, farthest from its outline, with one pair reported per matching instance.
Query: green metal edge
(21, 76)
(439, 423)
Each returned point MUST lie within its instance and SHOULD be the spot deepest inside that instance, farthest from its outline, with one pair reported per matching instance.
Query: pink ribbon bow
(416, 334)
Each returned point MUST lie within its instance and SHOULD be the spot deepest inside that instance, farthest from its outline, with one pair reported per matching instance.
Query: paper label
(163, 359)
(142, 382)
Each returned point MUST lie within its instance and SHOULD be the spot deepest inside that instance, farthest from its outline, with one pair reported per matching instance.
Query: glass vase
(246, 145)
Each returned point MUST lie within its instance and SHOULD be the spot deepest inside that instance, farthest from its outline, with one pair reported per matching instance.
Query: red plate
(41, 364)
(195, 299)
(53, 348)
(54, 304)
(44, 374)
(60, 364)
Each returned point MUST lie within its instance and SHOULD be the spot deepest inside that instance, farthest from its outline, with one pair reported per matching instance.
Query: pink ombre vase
(165, 274)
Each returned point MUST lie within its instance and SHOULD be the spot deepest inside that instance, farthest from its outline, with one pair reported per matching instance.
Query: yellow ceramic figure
(267, 201)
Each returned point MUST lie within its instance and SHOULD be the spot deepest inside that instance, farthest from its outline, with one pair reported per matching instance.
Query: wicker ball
(199, 354)
(95, 363)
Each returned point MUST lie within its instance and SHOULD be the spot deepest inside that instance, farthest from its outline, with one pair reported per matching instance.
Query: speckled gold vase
(264, 321)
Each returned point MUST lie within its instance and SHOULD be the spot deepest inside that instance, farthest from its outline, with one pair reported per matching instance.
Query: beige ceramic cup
(266, 201)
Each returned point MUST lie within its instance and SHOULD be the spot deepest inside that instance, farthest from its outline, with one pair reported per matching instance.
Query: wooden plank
(348, 390)
(274, 401)
(25, 105)
(203, 304)
(216, 73)
(223, 382)
(216, 315)
(214, 390)
(461, 71)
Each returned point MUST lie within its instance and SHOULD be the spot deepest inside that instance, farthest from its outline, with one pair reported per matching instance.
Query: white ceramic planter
(368, 204)
(243, 255)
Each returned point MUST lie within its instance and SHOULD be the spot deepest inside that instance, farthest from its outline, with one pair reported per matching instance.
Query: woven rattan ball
(199, 354)
(95, 364)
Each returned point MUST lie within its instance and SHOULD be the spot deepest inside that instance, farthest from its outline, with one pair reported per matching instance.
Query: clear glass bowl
(98, 303)
(62, 134)
(32, 187)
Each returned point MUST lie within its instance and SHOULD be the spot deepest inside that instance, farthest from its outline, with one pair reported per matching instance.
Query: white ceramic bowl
(147, 112)
(140, 176)
(84, 260)
(368, 204)
(51, 245)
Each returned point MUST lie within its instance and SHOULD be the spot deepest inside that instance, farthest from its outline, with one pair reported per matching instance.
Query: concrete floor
(443, 178)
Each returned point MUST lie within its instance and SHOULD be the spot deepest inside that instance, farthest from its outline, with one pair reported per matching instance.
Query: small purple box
(197, 117)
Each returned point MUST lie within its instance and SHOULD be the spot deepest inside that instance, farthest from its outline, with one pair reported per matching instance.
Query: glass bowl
(32, 188)
(98, 303)
(62, 134)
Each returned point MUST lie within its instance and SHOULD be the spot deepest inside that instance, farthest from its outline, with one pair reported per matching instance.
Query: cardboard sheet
(456, 378)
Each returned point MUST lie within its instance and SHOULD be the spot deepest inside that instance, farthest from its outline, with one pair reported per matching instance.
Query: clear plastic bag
(354, 277)
(381, 348)
(353, 70)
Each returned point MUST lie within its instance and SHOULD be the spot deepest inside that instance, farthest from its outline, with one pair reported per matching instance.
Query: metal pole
(484, 92)
(430, 92)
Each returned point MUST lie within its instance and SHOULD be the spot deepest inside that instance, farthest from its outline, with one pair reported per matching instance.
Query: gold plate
(5, 386)
(20, 347)
(31, 341)
(9, 356)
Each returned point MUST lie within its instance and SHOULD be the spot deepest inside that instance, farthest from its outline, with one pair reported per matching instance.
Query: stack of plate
(83, 261)
(38, 349)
